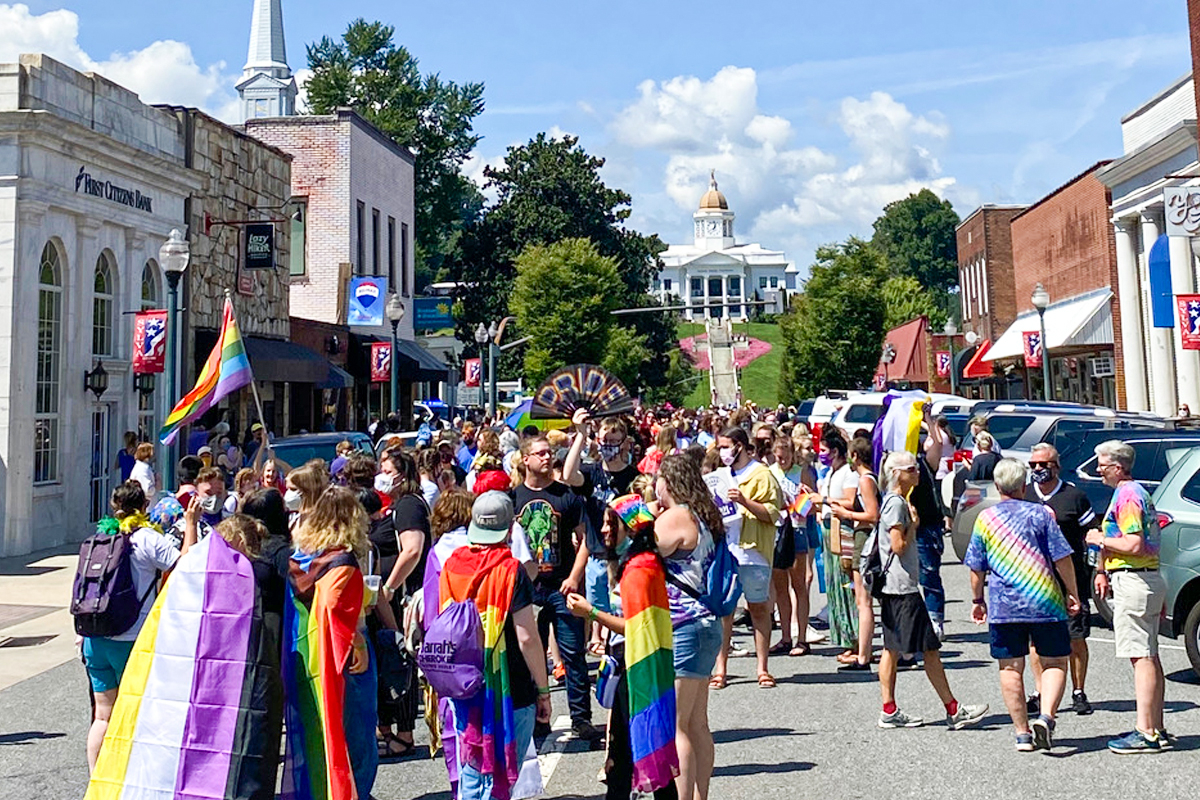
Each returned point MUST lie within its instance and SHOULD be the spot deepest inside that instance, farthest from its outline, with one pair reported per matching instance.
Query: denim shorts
(105, 660)
(696, 645)
(756, 582)
(595, 584)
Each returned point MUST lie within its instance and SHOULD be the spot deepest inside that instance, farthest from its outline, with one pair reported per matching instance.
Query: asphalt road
(812, 737)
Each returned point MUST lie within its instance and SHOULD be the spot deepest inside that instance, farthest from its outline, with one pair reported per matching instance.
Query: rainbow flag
(226, 371)
(200, 710)
(650, 672)
(802, 504)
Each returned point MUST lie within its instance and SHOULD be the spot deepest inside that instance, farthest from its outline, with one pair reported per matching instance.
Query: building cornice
(1176, 140)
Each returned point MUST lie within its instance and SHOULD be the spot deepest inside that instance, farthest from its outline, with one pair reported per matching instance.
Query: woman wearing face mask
(839, 483)
(862, 514)
(790, 477)
(303, 487)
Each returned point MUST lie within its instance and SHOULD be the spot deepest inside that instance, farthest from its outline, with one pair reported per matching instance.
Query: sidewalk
(36, 630)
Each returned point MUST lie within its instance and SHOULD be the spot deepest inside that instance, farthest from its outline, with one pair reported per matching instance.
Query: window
(1191, 489)
(735, 285)
(762, 283)
(375, 233)
(404, 258)
(774, 281)
(360, 222)
(49, 368)
(863, 414)
(391, 233)
(697, 287)
(150, 296)
(297, 255)
(102, 308)
(1067, 434)
(1007, 430)
(666, 284)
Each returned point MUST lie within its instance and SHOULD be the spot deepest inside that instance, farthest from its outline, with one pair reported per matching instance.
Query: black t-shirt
(983, 466)
(924, 497)
(410, 513)
(1074, 514)
(524, 690)
(599, 488)
(549, 517)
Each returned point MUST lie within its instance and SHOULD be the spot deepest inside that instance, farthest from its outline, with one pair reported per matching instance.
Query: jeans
(569, 633)
(930, 546)
(474, 785)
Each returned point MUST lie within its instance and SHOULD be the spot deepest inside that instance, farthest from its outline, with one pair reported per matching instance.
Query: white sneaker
(898, 719)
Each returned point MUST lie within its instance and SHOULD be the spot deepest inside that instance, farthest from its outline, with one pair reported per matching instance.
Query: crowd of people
(374, 582)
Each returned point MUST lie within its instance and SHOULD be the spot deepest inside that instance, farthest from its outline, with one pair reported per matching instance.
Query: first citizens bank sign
(84, 182)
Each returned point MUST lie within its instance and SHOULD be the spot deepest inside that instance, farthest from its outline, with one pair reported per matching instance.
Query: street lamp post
(1041, 299)
(951, 329)
(174, 256)
(493, 349)
(481, 338)
(395, 312)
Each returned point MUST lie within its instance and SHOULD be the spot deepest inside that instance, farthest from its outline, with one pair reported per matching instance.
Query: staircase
(722, 374)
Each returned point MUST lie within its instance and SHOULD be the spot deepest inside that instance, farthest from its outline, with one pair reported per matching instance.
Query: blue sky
(813, 114)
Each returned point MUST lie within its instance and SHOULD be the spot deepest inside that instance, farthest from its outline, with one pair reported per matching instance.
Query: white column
(1187, 362)
(725, 294)
(707, 310)
(742, 293)
(1133, 349)
(1163, 399)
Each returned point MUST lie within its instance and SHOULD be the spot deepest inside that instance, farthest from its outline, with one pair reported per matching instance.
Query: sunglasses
(1047, 464)
(539, 453)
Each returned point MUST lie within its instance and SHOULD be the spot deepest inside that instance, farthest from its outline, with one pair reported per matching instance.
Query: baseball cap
(491, 518)
(256, 427)
(206, 450)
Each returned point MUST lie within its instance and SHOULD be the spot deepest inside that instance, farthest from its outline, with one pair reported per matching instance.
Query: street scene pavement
(815, 736)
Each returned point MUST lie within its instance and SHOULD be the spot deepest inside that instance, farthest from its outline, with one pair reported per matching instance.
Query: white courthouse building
(715, 269)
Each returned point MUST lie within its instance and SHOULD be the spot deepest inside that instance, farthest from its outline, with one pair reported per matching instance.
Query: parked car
(825, 407)
(864, 409)
(1018, 427)
(1177, 501)
(295, 450)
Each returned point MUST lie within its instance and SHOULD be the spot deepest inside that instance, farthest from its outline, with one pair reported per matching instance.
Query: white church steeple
(267, 87)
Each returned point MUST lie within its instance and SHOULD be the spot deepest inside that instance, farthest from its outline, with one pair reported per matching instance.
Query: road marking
(552, 748)
(1160, 644)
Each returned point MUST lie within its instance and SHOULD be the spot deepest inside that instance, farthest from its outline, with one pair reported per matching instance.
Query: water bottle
(1093, 555)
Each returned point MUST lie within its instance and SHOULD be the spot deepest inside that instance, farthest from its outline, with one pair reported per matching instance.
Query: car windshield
(1006, 430)
(863, 413)
(804, 410)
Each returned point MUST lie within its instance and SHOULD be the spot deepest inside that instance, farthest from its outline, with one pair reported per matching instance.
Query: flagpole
(253, 381)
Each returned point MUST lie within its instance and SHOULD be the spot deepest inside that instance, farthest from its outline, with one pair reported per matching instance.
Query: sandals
(848, 657)
(718, 682)
(596, 648)
(802, 649)
(386, 745)
(766, 681)
(780, 648)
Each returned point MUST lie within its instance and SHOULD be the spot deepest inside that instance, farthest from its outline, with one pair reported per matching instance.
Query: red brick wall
(985, 238)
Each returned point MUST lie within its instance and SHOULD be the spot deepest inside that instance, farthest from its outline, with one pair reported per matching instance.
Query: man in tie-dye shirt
(1022, 553)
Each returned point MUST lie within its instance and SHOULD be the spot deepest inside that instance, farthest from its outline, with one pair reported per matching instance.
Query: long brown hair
(687, 488)
(451, 510)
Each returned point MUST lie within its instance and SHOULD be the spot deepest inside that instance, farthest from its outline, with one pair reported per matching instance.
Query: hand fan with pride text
(581, 386)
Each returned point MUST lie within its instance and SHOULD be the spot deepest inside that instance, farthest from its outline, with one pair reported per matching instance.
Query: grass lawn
(760, 378)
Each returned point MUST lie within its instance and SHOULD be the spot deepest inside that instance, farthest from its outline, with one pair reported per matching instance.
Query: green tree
(368, 72)
(917, 237)
(624, 354)
(905, 299)
(563, 301)
(833, 332)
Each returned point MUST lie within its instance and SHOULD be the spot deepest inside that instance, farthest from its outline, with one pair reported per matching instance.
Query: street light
(950, 330)
(395, 312)
(481, 338)
(1041, 299)
(493, 348)
(174, 256)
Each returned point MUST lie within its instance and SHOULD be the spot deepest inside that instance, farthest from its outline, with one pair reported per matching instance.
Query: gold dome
(713, 199)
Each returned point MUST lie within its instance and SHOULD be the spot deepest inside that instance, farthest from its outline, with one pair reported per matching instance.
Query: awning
(911, 362)
(418, 364)
(977, 367)
(285, 362)
(338, 378)
(1081, 321)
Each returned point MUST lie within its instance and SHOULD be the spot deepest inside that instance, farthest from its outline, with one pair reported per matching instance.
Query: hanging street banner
(260, 246)
(1189, 320)
(473, 372)
(432, 313)
(1032, 341)
(367, 298)
(381, 362)
(149, 341)
(943, 363)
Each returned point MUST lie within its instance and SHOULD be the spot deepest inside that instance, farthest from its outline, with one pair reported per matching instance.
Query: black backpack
(104, 599)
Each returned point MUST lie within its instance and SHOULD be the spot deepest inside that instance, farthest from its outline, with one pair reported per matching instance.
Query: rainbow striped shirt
(1010, 541)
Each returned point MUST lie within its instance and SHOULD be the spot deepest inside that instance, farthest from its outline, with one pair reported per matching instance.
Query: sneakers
(1043, 732)
(1080, 704)
(1135, 742)
(966, 715)
(898, 719)
(585, 730)
(1025, 742)
(560, 673)
(1034, 704)
(1165, 740)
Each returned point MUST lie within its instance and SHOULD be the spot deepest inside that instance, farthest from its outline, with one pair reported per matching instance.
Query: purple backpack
(104, 599)
(451, 655)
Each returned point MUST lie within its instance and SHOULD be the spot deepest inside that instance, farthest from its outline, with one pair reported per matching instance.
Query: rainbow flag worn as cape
(486, 724)
(650, 672)
(325, 597)
(200, 708)
(227, 370)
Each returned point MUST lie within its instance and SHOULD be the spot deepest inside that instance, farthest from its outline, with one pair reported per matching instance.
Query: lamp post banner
(368, 296)
(473, 372)
(1032, 341)
(943, 363)
(1189, 320)
(149, 341)
(381, 362)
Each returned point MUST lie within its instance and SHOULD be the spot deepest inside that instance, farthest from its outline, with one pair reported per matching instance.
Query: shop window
(49, 368)
(297, 264)
(404, 259)
(150, 291)
(102, 308)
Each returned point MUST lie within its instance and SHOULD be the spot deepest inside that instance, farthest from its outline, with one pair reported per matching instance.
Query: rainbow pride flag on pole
(226, 370)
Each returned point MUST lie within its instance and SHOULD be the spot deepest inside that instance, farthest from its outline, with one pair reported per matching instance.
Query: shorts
(1080, 625)
(812, 530)
(860, 540)
(800, 536)
(1137, 605)
(595, 584)
(105, 660)
(906, 625)
(1012, 639)
(696, 644)
(756, 582)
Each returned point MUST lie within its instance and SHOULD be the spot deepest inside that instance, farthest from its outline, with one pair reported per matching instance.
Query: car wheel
(1191, 637)
(1104, 609)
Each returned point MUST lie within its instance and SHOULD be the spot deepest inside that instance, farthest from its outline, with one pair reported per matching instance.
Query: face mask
(728, 455)
(1040, 475)
(609, 452)
(825, 458)
(623, 547)
(210, 504)
(384, 482)
(292, 500)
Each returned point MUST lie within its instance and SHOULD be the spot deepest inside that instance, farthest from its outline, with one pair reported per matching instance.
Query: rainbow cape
(650, 671)
(486, 725)
(325, 597)
(227, 370)
(200, 708)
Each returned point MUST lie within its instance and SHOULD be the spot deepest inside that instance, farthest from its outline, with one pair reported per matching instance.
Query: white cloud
(163, 72)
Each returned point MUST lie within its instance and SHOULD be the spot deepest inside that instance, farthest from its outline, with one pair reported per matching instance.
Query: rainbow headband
(633, 511)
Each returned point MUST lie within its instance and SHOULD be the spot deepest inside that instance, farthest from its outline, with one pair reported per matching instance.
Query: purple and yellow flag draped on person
(226, 370)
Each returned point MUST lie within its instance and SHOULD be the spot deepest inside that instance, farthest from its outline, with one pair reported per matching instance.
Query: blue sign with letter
(432, 313)
(367, 297)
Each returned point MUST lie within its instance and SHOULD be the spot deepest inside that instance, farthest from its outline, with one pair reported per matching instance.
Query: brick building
(1064, 241)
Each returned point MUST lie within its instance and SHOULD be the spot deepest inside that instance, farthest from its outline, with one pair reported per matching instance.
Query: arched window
(49, 368)
(103, 308)
(150, 293)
